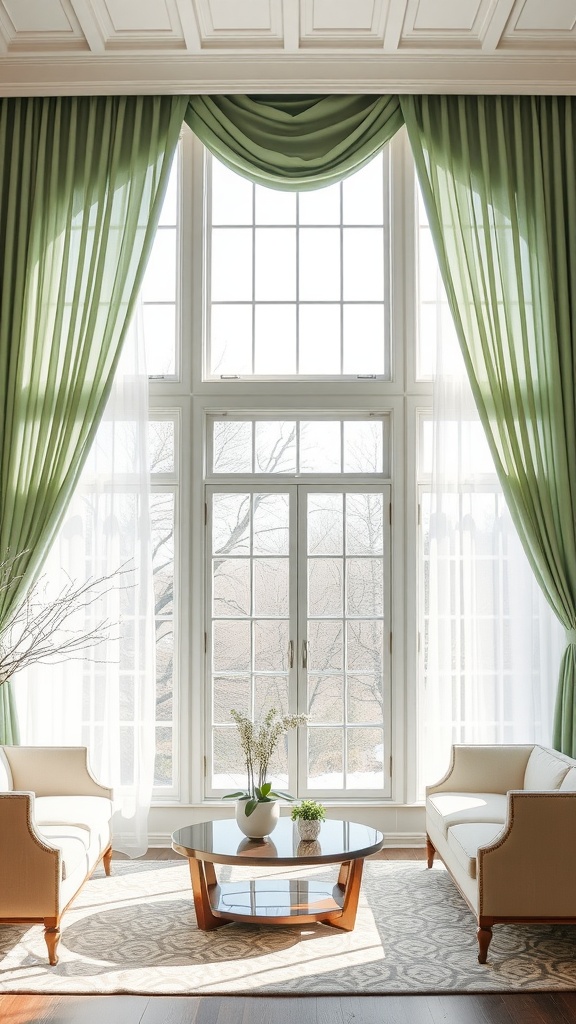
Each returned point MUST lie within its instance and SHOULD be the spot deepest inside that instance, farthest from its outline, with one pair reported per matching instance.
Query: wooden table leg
(343, 874)
(351, 894)
(202, 875)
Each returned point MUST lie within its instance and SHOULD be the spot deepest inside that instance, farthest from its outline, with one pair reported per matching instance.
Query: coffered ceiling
(124, 46)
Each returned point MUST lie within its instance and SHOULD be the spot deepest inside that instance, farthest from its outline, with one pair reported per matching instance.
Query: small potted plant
(309, 815)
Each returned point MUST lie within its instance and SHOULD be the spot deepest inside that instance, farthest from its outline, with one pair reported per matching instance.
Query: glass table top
(222, 842)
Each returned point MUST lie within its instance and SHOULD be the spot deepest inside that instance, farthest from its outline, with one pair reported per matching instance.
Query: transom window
(298, 282)
(299, 446)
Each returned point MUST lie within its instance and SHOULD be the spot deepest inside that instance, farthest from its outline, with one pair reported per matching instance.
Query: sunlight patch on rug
(136, 933)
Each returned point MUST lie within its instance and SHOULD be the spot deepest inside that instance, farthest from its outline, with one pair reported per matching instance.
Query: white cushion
(73, 845)
(568, 783)
(464, 841)
(6, 784)
(447, 809)
(544, 770)
(88, 812)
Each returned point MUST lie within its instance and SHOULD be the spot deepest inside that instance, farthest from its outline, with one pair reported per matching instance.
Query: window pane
(320, 447)
(231, 593)
(363, 447)
(362, 195)
(325, 528)
(231, 274)
(159, 283)
(325, 699)
(364, 524)
(321, 206)
(231, 524)
(275, 339)
(325, 758)
(275, 264)
(319, 340)
(274, 207)
(319, 264)
(231, 339)
(159, 323)
(363, 258)
(275, 446)
(161, 445)
(325, 583)
(232, 446)
(230, 692)
(271, 522)
(271, 586)
(364, 339)
(231, 196)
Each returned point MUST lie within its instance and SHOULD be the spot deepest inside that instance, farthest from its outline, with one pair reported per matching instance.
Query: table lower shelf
(280, 898)
(275, 900)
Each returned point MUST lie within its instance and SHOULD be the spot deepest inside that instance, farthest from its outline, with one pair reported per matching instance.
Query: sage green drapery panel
(82, 181)
(294, 143)
(498, 175)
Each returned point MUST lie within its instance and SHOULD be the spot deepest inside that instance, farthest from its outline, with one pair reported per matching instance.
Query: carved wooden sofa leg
(484, 934)
(430, 851)
(107, 861)
(52, 936)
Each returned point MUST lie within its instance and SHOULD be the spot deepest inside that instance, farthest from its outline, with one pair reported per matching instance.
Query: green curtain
(294, 143)
(81, 187)
(498, 175)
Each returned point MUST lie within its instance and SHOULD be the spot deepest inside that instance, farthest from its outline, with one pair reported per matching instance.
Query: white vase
(261, 822)
(309, 830)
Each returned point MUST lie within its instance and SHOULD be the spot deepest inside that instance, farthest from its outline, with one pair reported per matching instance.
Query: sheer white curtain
(106, 700)
(493, 644)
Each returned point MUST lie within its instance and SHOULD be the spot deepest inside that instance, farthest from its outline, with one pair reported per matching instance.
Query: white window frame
(197, 398)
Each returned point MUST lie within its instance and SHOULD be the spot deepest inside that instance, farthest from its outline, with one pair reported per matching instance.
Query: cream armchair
(54, 830)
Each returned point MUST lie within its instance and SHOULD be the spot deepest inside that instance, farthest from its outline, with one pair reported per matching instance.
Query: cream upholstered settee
(503, 820)
(54, 829)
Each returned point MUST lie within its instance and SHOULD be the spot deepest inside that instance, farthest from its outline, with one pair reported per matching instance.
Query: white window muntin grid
(385, 302)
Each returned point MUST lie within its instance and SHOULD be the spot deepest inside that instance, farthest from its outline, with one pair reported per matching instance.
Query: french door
(298, 618)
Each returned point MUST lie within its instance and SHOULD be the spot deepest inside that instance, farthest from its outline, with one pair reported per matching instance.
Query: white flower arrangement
(258, 745)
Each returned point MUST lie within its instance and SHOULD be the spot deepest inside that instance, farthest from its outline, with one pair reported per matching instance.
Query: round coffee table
(276, 901)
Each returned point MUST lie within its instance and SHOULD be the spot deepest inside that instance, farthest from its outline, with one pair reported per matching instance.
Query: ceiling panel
(445, 24)
(342, 24)
(130, 25)
(237, 24)
(534, 24)
(40, 26)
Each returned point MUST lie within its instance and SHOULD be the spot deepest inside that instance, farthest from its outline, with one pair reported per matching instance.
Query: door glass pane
(345, 664)
(250, 624)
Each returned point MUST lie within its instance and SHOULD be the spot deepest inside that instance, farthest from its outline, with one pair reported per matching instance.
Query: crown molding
(253, 72)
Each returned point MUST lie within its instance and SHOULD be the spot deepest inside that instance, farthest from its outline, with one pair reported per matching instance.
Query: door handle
(291, 654)
(304, 654)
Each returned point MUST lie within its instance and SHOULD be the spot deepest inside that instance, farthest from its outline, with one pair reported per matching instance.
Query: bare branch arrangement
(39, 629)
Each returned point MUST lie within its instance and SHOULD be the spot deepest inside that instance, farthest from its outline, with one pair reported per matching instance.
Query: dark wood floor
(537, 1008)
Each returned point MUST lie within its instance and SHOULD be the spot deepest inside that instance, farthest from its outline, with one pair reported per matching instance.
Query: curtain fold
(294, 143)
(497, 175)
(81, 188)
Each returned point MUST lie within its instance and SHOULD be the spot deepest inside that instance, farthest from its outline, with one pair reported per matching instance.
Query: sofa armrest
(476, 768)
(528, 871)
(29, 865)
(53, 771)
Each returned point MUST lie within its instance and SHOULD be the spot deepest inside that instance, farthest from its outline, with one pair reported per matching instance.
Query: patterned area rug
(136, 933)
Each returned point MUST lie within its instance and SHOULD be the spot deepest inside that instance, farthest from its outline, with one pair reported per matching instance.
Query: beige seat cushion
(92, 813)
(447, 809)
(464, 841)
(73, 844)
(544, 770)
